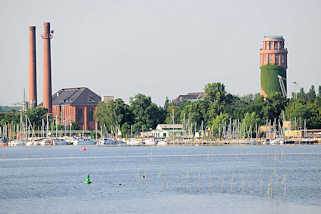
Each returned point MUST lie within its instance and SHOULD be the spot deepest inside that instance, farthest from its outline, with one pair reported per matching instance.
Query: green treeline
(218, 107)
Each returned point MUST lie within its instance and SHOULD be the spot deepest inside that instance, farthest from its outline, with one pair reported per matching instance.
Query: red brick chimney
(32, 68)
(47, 88)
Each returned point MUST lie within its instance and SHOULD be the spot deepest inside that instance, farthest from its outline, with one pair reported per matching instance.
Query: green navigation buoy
(87, 181)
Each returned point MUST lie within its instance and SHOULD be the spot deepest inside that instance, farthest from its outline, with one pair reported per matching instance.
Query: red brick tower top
(273, 51)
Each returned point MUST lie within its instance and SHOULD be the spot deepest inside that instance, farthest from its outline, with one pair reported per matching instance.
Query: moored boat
(84, 141)
(106, 141)
(162, 143)
(150, 141)
(60, 142)
(17, 143)
(134, 142)
(4, 142)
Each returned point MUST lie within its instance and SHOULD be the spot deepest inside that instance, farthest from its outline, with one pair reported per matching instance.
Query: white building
(165, 130)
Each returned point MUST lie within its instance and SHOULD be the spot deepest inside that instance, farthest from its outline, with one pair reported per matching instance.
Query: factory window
(79, 116)
(275, 45)
(282, 59)
(276, 59)
(270, 58)
(90, 114)
(270, 45)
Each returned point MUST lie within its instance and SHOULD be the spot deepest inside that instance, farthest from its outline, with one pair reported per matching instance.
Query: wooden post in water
(178, 180)
(262, 185)
(187, 180)
(138, 175)
(199, 180)
(270, 189)
(210, 186)
(231, 187)
(222, 184)
(166, 178)
(284, 185)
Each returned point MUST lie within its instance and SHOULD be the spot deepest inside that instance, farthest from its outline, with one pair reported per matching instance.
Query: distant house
(107, 99)
(165, 130)
(192, 97)
(76, 105)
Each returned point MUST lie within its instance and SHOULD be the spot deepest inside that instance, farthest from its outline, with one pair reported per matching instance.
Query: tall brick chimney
(32, 68)
(47, 88)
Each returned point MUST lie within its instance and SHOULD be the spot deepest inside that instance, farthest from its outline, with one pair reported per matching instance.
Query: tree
(301, 94)
(299, 110)
(193, 114)
(146, 114)
(113, 115)
(9, 117)
(274, 106)
(215, 91)
(37, 115)
(251, 120)
(178, 116)
(311, 95)
(216, 124)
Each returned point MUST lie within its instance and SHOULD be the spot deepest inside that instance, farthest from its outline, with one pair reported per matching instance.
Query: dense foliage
(218, 107)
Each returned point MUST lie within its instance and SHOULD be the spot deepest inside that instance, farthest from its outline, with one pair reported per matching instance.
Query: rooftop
(189, 96)
(169, 126)
(75, 96)
(273, 37)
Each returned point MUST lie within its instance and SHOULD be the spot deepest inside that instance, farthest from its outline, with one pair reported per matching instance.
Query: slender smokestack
(46, 36)
(32, 68)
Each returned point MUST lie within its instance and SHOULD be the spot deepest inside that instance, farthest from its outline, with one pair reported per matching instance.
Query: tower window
(276, 59)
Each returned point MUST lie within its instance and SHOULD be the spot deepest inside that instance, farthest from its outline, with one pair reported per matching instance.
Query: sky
(161, 48)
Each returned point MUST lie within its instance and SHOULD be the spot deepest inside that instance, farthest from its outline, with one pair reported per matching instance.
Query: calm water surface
(170, 179)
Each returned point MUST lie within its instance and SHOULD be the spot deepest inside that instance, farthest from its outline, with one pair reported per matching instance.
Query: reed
(199, 180)
(222, 183)
(187, 180)
(232, 182)
(166, 178)
(138, 175)
(210, 186)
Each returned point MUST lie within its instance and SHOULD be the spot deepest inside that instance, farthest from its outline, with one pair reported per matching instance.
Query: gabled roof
(169, 126)
(189, 96)
(75, 97)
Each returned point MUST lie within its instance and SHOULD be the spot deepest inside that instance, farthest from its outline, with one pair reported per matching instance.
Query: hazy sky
(157, 47)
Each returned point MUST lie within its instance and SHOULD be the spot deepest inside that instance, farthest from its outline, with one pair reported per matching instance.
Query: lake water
(168, 179)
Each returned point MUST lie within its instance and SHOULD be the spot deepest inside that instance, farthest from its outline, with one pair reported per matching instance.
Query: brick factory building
(273, 65)
(77, 105)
